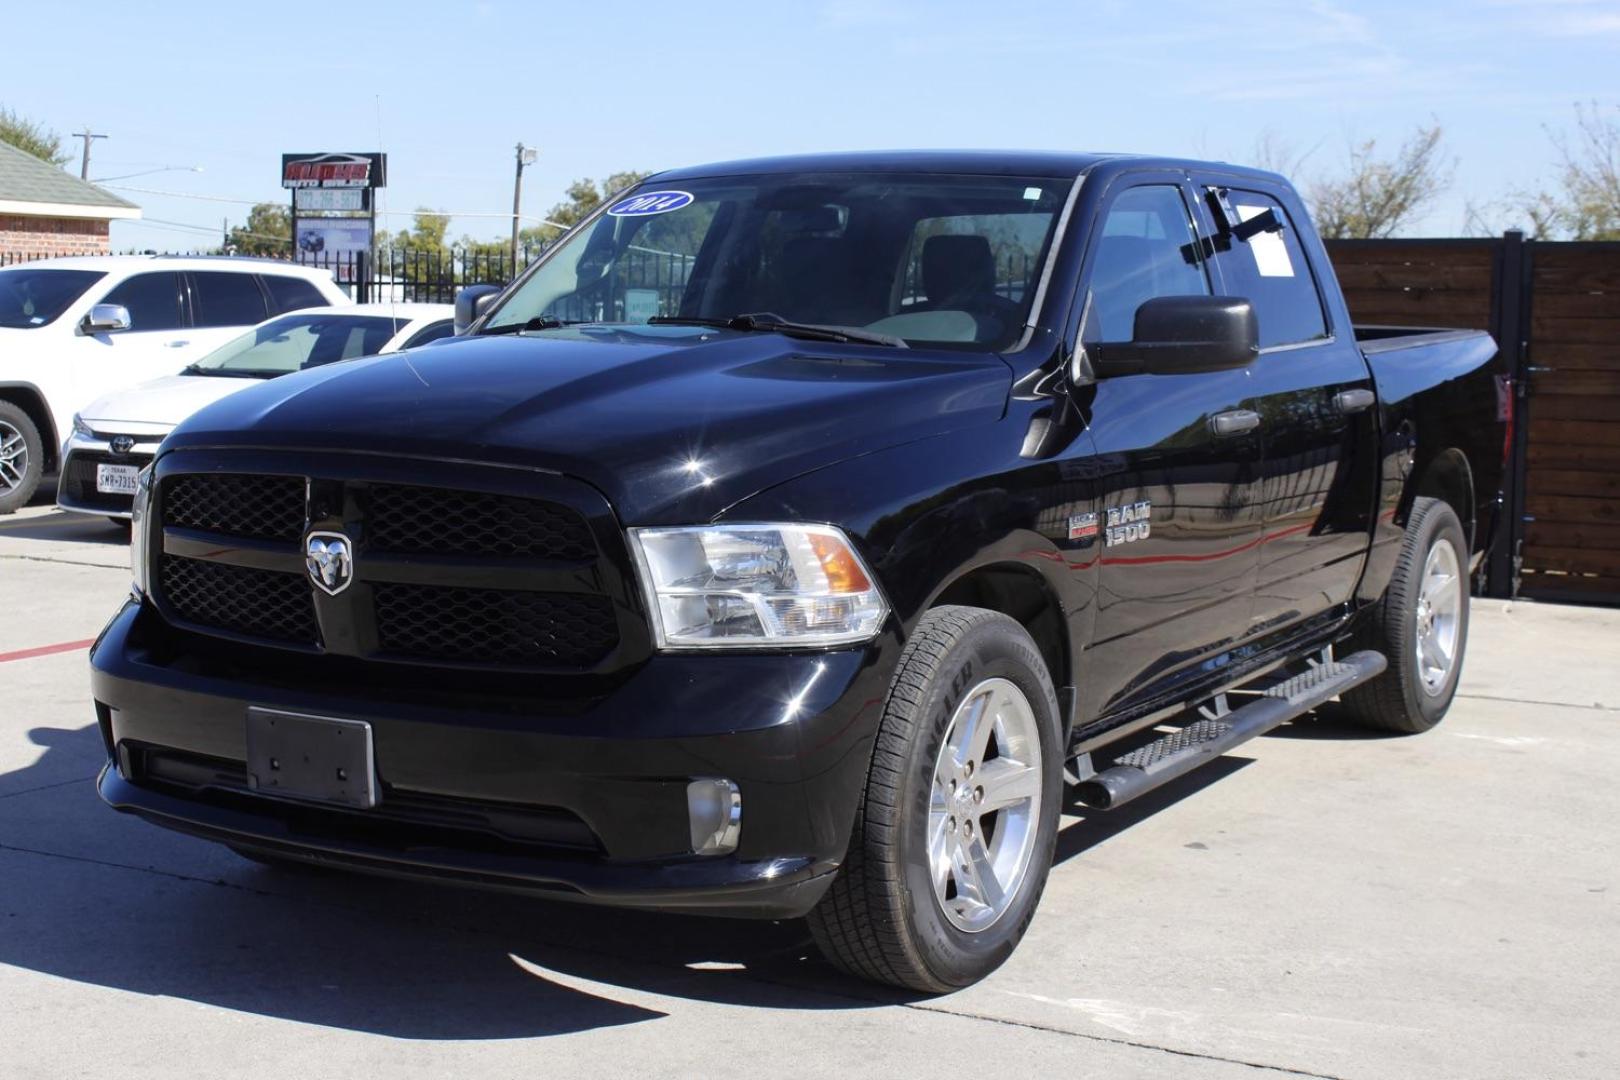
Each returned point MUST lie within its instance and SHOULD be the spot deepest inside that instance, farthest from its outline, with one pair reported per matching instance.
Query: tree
(427, 234)
(268, 231)
(1381, 195)
(32, 137)
(1586, 205)
(583, 197)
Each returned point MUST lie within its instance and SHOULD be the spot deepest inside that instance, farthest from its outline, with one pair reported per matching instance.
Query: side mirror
(472, 302)
(1180, 335)
(106, 319)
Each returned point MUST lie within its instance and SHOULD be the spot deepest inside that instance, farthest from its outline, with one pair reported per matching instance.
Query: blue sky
(447, 88)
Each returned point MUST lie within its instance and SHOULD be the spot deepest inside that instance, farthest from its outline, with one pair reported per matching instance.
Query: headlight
(82, 428)
(137, 531)
(747, 586)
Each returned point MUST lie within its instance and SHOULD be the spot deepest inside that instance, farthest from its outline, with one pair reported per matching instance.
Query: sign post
(334, 217)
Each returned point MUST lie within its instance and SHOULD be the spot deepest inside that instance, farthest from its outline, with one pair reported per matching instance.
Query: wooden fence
(1555, 308)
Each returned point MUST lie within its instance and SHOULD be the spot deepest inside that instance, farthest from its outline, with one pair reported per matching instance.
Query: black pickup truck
(786, 539)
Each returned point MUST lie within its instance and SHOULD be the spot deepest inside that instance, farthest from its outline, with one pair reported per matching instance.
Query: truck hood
(671, 423)
(163, 402)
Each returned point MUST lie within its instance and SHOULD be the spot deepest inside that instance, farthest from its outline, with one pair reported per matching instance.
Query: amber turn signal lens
(844, 573)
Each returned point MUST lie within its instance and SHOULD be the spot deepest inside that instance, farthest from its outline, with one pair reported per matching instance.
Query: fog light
(714, 808)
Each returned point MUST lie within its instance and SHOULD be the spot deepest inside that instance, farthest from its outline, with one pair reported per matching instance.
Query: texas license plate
(116, 479)
(315, 758)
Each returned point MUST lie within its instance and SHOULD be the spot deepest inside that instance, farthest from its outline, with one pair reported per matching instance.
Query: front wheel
(22, 458)
(954, 835)
(1421, 625)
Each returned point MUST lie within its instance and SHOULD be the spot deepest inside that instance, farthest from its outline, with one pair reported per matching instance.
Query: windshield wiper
(226, 373)
(539, 322)
(766, 322)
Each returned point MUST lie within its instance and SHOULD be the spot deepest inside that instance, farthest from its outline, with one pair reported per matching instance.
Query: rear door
(155, 343)
(1178, 523)
(223, 304)
(1314, 393)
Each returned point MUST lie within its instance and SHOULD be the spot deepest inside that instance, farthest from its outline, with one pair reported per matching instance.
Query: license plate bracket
(324, 759)
(116, 479)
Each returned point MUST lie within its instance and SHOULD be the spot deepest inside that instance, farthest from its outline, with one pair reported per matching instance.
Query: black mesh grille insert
(492, 626)
(262, 507)
(258, 603)
(439, 521)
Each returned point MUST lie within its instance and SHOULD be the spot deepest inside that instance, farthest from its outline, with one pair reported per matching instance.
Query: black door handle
(1354, 401)
(1235, 422)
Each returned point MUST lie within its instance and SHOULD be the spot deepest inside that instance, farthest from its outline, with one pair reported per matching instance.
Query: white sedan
(117, 435)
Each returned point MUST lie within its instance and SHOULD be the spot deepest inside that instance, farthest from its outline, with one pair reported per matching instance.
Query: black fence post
(362, 278)
(1512, 307)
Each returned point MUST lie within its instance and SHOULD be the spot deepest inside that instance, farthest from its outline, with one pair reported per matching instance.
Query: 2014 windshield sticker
(650, 202)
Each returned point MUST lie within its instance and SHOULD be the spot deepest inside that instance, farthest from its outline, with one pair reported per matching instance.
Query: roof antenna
(377, 196)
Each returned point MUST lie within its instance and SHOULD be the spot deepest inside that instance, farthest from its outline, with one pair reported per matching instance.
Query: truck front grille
(253, 507)
(528, 629)
(427, 521)
(255, 603)
(441, 575)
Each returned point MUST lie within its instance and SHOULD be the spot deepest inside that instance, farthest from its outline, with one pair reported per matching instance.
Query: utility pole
(84, 158)
(525, 156)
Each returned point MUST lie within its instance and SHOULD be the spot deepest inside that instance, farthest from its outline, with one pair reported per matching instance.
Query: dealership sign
(334, 170)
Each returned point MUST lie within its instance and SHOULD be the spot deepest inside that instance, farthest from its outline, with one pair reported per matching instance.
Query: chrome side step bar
(1178, 753)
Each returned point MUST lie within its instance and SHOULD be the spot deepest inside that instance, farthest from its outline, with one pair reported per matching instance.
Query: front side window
(31, 298)
(1146, 248)
(153, 301)
(223, 299)
(933, 259)
(295, 342)
(1267, 266)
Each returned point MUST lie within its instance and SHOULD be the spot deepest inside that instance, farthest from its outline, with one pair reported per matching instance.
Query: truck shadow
(108, 900)
(63, 527)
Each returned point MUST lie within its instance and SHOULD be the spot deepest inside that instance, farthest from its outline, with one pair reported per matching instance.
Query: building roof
(29, 185)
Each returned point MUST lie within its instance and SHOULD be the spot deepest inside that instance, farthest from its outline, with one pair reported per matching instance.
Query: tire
(22, 458)
(885, 917)
(1410, 697)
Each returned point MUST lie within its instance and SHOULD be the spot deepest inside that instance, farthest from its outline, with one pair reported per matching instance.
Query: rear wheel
(22, 458)
(1421, 625)
(954, 836)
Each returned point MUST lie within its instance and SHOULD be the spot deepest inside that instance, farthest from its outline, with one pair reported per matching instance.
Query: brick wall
(26, 235)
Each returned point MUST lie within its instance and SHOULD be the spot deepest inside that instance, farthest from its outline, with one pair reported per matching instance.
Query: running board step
(1180, 752)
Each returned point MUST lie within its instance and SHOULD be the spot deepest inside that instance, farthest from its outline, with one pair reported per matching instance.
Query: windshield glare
(295, 342)
(936, 260)
(31, 298)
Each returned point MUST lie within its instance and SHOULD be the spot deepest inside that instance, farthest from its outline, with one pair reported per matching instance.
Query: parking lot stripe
(46, 650)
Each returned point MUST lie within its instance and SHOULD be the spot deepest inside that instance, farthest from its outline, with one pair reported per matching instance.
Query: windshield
(33, 297)
(294, 342)
(931, 259)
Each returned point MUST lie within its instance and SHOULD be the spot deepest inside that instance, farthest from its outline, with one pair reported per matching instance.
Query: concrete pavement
(1318, 903)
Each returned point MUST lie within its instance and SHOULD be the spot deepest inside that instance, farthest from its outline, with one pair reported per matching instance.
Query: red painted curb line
(46, 650)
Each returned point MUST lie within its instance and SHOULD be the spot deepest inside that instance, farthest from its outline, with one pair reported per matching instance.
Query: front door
(1314, 394)
(1178, 520)
(155, 343)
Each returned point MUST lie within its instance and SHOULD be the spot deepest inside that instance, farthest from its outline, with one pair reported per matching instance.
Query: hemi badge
(1082, 526)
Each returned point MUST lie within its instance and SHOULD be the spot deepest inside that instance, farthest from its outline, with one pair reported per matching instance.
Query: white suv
(74, 329)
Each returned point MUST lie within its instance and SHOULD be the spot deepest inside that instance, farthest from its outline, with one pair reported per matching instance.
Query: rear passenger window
(153, 301)
(1146, 249)
(223, 299)
(1269, 268)
(292, 294)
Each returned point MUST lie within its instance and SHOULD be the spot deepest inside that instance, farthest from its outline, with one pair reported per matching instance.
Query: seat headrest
(957, 267)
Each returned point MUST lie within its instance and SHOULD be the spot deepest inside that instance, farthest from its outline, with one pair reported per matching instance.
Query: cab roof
(1045, 163)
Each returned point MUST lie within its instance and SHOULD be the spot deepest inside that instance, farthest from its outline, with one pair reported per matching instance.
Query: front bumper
(579, 798)
(76, 483)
